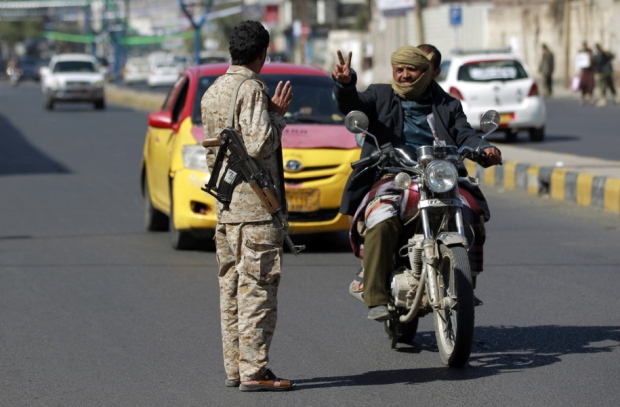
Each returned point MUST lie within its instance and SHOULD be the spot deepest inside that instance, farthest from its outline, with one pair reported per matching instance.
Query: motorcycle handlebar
(365, 161)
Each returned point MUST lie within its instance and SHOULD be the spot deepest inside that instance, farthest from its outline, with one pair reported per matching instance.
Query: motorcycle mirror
(489, 121)
(356, 121)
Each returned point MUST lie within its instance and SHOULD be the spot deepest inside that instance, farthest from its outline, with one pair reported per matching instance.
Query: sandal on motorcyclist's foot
(357, 285)
(379, 313)
(269, 382)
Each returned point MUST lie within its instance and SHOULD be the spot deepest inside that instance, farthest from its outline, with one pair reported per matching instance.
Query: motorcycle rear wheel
(454, 328)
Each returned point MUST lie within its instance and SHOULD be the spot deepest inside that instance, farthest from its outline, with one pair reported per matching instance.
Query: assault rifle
(242, 167)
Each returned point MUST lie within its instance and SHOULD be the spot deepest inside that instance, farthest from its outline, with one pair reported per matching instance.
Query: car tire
(537, 135)
(179, 240)
(100, 104)
(154, 220)
(49, 103)
(511, 136)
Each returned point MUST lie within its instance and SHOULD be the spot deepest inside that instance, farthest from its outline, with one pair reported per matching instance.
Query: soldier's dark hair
(427, 49)
(247, 41)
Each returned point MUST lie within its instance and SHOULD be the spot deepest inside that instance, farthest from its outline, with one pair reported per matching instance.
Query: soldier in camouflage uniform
(249, 247)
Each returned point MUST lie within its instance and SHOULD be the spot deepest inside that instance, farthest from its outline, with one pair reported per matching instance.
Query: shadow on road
(497, 350)
(334, 242)
(18, 156)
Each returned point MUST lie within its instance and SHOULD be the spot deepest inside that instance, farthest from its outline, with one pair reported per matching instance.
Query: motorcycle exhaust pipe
(416, 302)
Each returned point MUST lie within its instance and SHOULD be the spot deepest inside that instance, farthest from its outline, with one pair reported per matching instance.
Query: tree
(13, 32)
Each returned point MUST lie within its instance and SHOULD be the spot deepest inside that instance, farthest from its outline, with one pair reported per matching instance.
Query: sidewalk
(585, 181)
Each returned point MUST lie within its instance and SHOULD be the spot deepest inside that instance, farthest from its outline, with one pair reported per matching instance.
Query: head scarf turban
(412, 56)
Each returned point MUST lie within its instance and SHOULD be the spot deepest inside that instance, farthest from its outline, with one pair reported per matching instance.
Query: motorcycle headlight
(441, 176)
(194, 158)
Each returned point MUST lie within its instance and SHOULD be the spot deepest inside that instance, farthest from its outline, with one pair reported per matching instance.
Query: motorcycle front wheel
(454, 327)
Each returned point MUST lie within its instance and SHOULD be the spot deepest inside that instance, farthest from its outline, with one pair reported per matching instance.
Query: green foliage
(17, 31)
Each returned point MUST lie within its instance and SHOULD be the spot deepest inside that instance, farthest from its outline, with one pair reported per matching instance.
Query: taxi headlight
(99, 84)
(195, 158)
(441, 176)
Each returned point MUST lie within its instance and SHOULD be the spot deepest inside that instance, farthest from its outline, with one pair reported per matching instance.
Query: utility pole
(567, 17)
(185, 7)
(418, 21)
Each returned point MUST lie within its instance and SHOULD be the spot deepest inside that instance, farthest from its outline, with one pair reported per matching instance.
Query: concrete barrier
(581, 180)
(134, 99)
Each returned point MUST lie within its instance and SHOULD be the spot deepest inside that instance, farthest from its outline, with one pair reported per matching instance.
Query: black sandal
(357, 294)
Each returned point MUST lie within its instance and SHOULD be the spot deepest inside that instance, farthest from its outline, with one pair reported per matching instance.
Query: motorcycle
(431, 270)
(14, 75)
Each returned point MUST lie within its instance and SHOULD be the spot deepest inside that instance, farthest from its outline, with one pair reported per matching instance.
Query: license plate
(302, 200)
(504, 118)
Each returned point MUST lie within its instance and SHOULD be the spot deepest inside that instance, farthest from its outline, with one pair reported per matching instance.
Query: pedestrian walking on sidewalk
(546, 68)
(605, 74)
(585, 69)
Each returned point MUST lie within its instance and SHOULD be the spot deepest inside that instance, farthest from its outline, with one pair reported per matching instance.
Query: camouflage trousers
(249, 257)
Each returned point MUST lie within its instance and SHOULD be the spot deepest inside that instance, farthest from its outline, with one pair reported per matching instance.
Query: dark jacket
(383, 108)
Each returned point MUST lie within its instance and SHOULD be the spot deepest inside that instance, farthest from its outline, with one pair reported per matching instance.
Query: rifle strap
(224, 146)
(233, 101)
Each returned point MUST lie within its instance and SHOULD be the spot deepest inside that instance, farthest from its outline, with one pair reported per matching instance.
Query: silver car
(496, 81)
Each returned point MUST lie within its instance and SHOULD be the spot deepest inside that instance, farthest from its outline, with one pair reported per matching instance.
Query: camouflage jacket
(261, 131)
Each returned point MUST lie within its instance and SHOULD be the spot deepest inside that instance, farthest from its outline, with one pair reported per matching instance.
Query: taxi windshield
(313, 100)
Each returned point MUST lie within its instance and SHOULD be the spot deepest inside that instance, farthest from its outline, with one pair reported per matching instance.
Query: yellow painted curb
(558, 177)
(584, 189)
(612, 195)
(488, 175)
(509, 174)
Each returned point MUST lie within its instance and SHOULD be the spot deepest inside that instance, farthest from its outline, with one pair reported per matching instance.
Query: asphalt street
(95, 311)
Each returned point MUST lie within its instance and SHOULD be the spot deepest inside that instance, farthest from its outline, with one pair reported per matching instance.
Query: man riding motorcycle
(398, 114)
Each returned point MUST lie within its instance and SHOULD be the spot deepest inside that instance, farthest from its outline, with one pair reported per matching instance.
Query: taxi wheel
(154, 220)
(180, 240)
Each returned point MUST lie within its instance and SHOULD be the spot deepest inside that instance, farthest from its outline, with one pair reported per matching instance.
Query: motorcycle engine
(402, 283)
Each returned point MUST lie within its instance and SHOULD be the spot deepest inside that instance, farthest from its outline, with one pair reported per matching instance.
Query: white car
(498, 81)
(73, 78)
(163, 73)
(136, 70)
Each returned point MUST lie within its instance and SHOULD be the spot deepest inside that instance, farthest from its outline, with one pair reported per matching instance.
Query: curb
(134, 99)
(558, 183)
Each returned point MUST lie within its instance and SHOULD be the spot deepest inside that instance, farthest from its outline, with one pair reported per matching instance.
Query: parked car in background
(182, 60)
(29, 65)
(73, 78)
(136, 70)
(498, 81)
(317, 152)
(162, 73)
(214, 57)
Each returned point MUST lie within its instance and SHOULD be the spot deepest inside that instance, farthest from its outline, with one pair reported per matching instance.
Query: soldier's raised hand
(342, 69)
(282, 98)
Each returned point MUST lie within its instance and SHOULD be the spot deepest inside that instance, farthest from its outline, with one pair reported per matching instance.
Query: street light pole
(196, 25)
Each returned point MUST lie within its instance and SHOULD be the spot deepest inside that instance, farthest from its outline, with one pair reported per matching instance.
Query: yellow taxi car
(317, 152)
